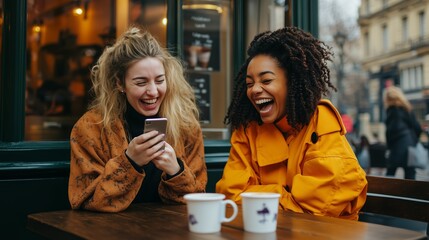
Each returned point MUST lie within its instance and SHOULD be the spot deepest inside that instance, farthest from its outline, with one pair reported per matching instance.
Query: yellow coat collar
(272, 147)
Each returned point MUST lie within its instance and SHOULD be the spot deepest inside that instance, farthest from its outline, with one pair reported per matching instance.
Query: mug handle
(234, 213)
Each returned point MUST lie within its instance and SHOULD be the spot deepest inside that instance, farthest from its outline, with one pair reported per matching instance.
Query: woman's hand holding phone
(144, 148)
(150, 146)
(167, 161)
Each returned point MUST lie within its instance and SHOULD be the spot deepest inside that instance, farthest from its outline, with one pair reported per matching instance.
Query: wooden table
(158, 221)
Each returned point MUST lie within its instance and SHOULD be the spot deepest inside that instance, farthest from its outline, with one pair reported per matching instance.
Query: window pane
(64, 40)
(404, 29)
(152, 15)
(385, 38)
(265, 15)
(422, 24)
(419, 76)
(413, 78)
(207, 37)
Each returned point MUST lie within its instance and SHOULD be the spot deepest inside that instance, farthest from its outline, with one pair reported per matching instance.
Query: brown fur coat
(103, 179)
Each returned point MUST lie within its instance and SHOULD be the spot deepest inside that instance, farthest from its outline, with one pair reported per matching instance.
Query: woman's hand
(167, 161)
(145, 147)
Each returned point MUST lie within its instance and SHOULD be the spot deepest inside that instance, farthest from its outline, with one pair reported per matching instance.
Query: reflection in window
(61, 48)
(64, 40)
(152, 15)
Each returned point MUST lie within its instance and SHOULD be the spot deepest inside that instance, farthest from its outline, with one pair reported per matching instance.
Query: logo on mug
(192, 219)
(265, 211)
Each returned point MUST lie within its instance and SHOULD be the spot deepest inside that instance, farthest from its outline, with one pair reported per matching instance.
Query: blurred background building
(377, 44)
(395, 51)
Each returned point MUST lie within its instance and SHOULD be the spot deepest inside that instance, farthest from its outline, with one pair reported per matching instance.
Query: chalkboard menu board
(200, 82)
(201, 39)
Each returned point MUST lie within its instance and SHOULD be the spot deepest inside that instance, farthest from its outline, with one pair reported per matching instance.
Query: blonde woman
(112, 162)
(402, 130)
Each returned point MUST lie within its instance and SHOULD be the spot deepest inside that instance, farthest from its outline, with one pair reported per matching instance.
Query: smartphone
(158, 124)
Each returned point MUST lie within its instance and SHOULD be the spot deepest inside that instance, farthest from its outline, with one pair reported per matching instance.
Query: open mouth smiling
(263, 103)
(149, 101)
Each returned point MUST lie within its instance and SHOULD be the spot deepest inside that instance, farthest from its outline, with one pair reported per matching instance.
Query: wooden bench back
(396, 197)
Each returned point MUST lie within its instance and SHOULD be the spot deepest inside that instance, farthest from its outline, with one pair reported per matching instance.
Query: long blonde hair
(178, 106)
(393, 96)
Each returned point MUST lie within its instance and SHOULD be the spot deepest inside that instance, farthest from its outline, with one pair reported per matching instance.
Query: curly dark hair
(305, 60)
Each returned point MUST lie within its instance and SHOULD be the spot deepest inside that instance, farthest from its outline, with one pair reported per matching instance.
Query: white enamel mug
(206, 211)
(260, 211)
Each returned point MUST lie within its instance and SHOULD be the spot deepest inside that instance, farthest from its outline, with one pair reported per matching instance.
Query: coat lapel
(271, 145)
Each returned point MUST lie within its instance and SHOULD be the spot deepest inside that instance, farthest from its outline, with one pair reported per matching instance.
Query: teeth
(150, 101)
(261, 101)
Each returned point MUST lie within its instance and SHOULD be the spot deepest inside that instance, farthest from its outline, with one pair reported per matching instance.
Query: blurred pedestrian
(402, 131)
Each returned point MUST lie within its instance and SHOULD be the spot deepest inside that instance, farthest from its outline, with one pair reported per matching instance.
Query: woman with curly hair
(113, 163)
(286, 138)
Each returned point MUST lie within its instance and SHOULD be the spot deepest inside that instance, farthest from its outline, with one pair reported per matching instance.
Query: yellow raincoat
(315, 171)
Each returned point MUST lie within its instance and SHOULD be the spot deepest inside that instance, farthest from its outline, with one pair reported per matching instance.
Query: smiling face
(145, 86)
(266, 88)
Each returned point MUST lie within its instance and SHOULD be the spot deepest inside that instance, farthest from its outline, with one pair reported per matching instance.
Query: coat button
(314, 137)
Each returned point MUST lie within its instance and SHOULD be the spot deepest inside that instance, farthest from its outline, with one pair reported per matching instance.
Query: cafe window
(50, 46)
(207, 43)
(64, 40)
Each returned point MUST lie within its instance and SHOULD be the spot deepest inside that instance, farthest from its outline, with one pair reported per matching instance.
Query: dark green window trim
(12, 88)
(305, 15)
(174, 25)
(26, 160)
(239, 48)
